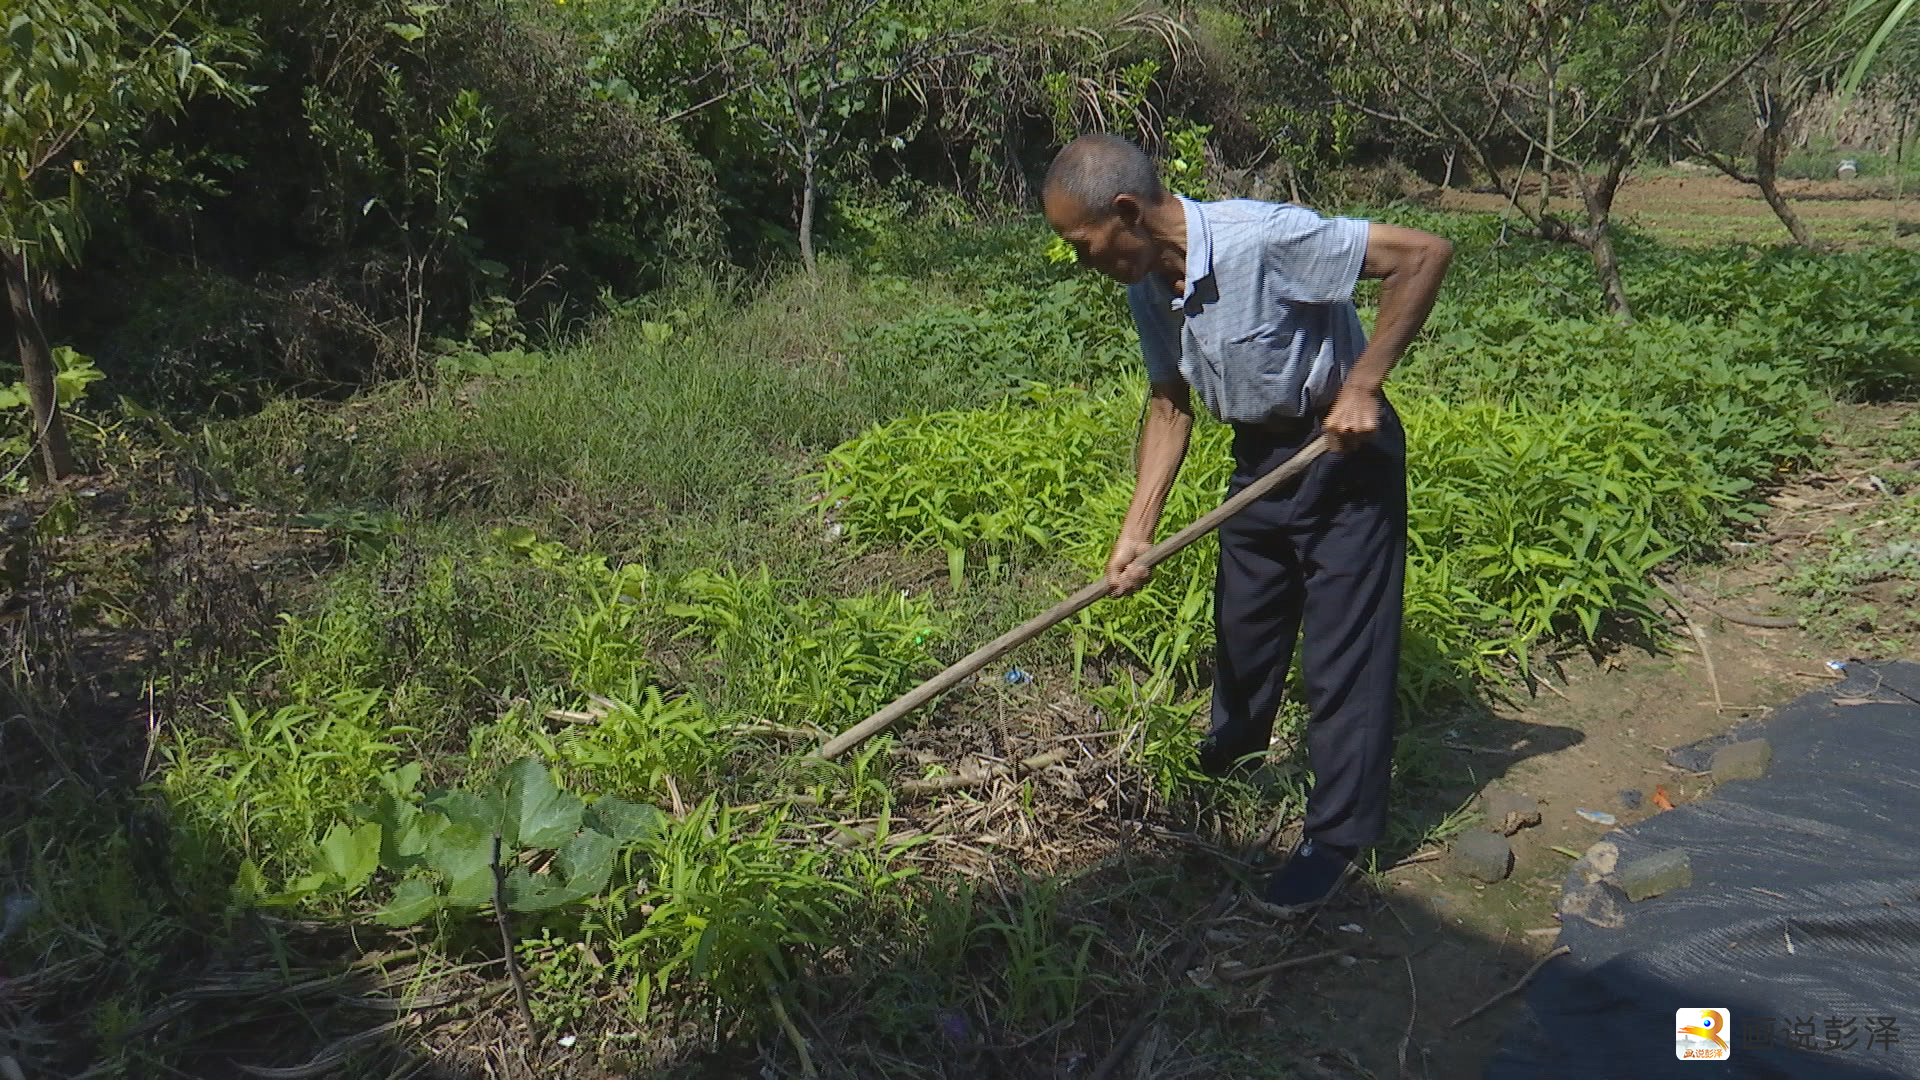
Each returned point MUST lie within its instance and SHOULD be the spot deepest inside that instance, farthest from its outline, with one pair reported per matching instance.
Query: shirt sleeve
(1159, 342)
(1313, 259)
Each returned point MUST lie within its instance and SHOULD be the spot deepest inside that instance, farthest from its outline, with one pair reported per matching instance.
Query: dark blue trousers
(1327, 554)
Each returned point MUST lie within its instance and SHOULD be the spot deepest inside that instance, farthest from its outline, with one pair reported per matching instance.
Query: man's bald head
(1094, 170)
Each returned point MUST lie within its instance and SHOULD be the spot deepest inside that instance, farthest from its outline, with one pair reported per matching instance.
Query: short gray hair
(1095, 169)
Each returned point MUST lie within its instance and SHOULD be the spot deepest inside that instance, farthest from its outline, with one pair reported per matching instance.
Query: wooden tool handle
(1072, 605)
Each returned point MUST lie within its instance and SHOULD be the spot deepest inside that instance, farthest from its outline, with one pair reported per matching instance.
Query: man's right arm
(1163, 447)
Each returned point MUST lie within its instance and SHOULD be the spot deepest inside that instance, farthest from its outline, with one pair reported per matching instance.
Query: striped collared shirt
(1267, 328)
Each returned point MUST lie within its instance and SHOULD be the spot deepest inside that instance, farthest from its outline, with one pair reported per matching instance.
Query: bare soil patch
(1706, 209)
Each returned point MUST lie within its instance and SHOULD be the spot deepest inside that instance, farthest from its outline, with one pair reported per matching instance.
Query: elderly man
(1250, 304)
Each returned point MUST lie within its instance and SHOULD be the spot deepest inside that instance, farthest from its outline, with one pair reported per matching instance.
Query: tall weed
(271, 779)
(774, 654)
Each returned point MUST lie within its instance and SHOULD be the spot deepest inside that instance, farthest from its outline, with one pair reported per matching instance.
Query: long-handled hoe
(993, 650)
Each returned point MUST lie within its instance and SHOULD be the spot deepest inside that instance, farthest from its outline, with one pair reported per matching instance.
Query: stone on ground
(1654, 874)
(1599, 903)
(1484, 855)
(1508, 812)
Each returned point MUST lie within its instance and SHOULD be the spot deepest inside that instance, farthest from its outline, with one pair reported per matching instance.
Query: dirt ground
(1381, 977)
(1700, 208)
(1578, 745)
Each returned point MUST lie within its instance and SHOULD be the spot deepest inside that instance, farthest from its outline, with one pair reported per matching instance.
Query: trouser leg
(1353, 558)
(1258, 602)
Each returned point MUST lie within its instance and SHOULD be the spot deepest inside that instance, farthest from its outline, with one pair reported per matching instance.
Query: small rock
(1630, 798)
(1599, 903)
(1603, 856)
(1746, 760)
(1508, 812)
(1596, 865)
(1657, 873)
(1484, 855)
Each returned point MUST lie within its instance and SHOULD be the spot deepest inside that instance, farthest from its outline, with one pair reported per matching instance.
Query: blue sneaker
(1313, 875)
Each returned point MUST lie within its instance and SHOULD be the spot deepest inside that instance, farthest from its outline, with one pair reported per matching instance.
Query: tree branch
(1718, 162)
(1773, 40)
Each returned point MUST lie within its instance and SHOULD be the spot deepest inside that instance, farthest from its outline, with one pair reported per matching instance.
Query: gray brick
(1483, 855)
(1654, 874)
(1746, 760)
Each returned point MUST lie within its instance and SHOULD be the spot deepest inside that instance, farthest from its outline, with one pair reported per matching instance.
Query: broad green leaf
(407, 32)
(463, 855)
(402, 782)
(587, 861)
(350, 856)
(533, 893)
(20, 34)
(303, 887)
(537, 814)
(413, 901)
(466, 808)
(516, 537)
(626, 822)
(405, 831)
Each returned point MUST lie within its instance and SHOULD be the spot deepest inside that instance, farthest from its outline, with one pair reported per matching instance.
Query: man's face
(1115, 243)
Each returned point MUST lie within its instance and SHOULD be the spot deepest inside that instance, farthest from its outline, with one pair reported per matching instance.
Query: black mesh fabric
(1803, 915)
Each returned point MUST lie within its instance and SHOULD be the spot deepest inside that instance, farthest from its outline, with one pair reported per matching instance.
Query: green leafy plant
(1046, 970)
(799, 659)
(1186, 165)
(271, 778)
(442, 846)
(73, 373)
(725, 903)
(644, 739)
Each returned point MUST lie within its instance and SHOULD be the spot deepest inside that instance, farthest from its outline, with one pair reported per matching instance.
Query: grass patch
(605, 568)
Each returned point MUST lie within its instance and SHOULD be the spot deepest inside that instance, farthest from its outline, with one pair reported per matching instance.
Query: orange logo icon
(1700, 1034)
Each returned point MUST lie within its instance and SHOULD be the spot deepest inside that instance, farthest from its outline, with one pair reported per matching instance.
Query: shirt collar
(1199, 249)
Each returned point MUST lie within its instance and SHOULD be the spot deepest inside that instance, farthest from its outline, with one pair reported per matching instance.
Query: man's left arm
(1410, 265)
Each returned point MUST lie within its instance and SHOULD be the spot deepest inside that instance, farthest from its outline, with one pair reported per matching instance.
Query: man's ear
(1129, 210)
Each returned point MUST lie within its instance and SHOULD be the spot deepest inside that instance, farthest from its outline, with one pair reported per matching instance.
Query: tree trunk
(1766, 163)
(1597, 238)
(1606, 264)
(808, 194)
(36, 362)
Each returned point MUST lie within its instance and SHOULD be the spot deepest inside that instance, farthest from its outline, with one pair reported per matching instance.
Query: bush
(1527, 521)
(1734, 395)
